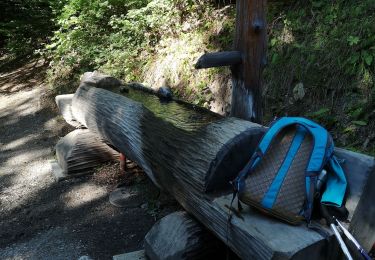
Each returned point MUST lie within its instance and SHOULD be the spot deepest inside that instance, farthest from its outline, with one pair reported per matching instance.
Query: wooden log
(147, 140)
(180, 161)
(179, 236)
(64, 103)
(100, 80)
(218, 59)
(80, 151)
(250, 40)
(189, 162)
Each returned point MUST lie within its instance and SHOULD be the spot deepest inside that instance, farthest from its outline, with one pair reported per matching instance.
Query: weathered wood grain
(360, 172)
(179, 236)
(250, 40)
(64, 103)
(185, 162)
(154, 143)
(194, 165)
(81, 151)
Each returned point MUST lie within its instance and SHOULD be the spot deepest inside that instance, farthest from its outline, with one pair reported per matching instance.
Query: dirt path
(43, 219)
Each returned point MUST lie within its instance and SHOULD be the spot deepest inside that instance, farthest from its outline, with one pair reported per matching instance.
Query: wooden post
(246, 61)
(250, 40)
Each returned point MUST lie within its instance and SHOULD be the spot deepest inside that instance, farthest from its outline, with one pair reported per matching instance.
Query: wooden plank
(218, 59)
(360, 172)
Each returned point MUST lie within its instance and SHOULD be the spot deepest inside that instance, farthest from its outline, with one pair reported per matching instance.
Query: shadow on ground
(43, 219)
(21, 74)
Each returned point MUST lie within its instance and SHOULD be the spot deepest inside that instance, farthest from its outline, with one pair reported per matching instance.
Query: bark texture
(81, 151)
(158, 146)
(180, 236)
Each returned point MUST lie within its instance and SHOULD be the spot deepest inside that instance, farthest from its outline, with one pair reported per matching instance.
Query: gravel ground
(43, 219)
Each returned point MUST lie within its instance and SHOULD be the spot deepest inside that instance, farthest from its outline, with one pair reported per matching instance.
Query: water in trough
(182, 115)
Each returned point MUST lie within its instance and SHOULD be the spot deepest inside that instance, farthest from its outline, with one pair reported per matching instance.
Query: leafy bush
(109, 34)
(323, 51)
(330, 48)
(124, 38)
(26, 25)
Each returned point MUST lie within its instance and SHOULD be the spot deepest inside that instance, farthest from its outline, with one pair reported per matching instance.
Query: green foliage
(111, 35)
(327, 48)
(360, 123)
(26, 25)
(132, 39)
(319, 114)
(330, 47)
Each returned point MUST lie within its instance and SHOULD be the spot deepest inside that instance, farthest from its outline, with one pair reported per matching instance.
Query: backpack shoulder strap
(320, 137)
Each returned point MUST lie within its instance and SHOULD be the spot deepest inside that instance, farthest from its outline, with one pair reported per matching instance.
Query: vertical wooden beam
(250, 40)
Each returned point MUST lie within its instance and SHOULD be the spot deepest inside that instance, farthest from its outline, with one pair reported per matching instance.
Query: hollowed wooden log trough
(193, 154)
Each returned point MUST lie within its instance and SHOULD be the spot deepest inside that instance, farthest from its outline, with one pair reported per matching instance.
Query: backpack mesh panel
(293, 191)
(259, 181)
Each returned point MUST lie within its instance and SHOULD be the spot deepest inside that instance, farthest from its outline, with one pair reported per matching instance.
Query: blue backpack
(280, 177)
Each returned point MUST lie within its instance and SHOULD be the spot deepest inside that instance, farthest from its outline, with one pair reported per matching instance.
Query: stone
(165, 93)
(299, 91)
(126, 197)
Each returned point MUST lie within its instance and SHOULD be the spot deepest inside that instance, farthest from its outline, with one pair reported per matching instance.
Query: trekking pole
(351, 238)
(333, 227)
(341, 242)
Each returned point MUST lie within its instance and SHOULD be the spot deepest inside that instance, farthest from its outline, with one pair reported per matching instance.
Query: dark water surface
(182, 115)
